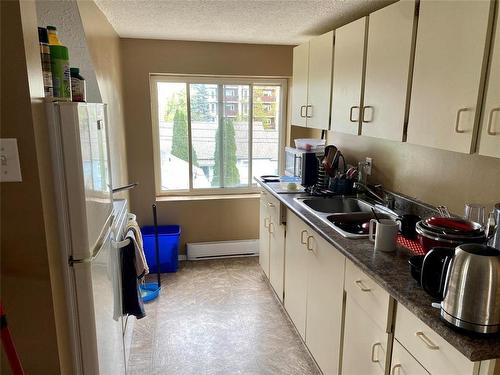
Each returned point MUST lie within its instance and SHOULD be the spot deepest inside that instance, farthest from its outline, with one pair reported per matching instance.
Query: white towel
(134, 234)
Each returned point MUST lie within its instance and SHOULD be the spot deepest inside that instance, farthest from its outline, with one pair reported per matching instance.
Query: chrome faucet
(385, 199)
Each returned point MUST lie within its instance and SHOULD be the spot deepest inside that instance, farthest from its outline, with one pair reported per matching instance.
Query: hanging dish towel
(131, 295)
(134, 234)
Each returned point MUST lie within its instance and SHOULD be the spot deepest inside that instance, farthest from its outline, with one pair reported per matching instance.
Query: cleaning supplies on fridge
(45, 57)
(78, 86)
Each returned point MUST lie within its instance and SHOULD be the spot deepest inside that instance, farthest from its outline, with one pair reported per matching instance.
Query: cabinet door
(325, 295)
(348, 76)
(299, 84)
(276, 251)
(296, 257)
(403, 363)
(365, 344)
(264, 234)
(388, 55)
(320, 81)
(490, 131)
(449, 55)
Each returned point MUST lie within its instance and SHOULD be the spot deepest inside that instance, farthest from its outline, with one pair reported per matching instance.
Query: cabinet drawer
(430, 349)
(368, 294)
(403, 362)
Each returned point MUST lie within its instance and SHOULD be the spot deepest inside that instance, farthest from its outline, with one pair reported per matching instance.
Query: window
(209, 138)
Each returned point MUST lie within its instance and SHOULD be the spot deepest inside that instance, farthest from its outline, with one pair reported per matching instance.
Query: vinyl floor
(217, 317)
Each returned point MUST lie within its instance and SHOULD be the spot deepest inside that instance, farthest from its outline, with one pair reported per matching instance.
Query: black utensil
(376, 216)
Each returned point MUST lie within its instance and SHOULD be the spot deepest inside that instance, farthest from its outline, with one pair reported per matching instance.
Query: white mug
(385, 234)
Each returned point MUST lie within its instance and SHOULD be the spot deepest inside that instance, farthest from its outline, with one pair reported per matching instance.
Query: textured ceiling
(236, 21)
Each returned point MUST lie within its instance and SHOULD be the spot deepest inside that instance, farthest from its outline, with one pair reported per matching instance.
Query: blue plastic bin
(168, 236)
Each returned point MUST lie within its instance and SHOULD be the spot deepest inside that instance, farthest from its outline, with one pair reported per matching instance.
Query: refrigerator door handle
(98, 245)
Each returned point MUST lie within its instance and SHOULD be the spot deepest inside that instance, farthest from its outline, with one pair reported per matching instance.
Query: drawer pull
(490, 121)
(271, 225)
(430, 345)
(362, 286)
(309, 247)
(269, 204)
(374, 347)
(302, 241)
(393, 371)
(266, 224)
(457, 122)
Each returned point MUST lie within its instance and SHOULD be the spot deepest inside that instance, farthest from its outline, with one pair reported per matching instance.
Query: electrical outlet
(10, 170)
(369, 163)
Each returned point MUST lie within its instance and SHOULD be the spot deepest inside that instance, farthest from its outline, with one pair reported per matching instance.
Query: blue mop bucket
(150, 291)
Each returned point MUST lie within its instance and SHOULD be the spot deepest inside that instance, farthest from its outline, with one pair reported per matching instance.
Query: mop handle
(157, 245)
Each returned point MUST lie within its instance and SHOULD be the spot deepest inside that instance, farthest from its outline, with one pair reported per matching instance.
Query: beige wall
(31, 294)
(200, 220)
(104, 46)
(431, 175)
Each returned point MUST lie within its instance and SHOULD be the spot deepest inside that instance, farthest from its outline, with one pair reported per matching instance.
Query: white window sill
(180, 198)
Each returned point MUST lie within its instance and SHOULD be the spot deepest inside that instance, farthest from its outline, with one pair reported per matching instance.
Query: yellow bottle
(53, 38)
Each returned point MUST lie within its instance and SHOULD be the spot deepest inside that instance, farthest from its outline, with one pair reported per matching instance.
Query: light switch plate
(10, 169)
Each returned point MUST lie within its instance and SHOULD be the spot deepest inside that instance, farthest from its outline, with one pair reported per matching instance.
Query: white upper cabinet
(311, 86)
(348, 63)
(489, 143)
(449, 56)
(300, 80)
(320, 81)
(388, 58)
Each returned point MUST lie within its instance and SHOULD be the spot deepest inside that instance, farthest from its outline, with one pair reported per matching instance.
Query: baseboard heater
(222, 249)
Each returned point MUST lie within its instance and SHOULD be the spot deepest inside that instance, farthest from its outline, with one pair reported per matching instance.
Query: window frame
(219, 80)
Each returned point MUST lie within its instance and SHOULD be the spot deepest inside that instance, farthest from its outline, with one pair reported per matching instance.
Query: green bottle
(61, 79)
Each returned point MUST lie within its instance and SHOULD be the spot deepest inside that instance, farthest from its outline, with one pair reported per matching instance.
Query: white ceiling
(236, 21)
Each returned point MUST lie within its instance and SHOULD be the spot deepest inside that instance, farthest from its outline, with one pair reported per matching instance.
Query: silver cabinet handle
(307, 111)
(309, 247)
(374, 347)
(271, 225)
(490, 121)
(269, 204)
(362, 286)
(302, 107)
(350, 113)
(393, 371)
(302, 241)
(364, 109)
(265, 222)
(457, 122)
(430, 345)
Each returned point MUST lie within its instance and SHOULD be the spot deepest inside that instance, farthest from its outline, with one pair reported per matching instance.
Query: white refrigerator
(90, 226)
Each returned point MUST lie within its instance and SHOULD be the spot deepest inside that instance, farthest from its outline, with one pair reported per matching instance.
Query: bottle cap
(59, 52)
(42, 35)
(52, 28)
(74, 71)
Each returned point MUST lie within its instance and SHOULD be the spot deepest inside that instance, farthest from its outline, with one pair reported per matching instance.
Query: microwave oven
(293, 159)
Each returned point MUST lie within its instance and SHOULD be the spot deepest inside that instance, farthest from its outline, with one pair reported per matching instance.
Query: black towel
(131, 294)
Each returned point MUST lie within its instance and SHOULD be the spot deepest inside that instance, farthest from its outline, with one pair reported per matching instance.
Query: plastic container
(309, 144)
(61, 81)
(78, 86)
(168, 236)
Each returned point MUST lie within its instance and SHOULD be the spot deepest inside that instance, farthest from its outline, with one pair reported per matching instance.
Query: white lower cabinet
(264, 234)
(296, 256)
(325, 294)
(403, 363)
(272, 242)
(365, 343)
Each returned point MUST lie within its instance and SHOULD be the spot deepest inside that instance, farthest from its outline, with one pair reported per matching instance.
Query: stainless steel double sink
(349, 216)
